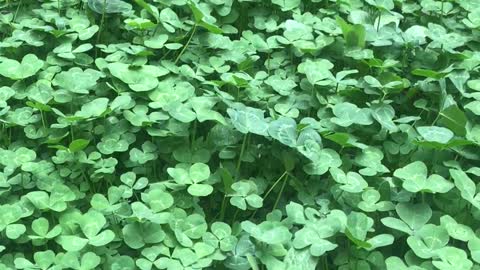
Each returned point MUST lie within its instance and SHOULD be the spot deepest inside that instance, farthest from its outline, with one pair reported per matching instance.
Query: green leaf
(15, 70)
(94, 108)
(159, 200)
(456, 230)
(348, 114)
(139, 79)
(91, 223)
(384, 115)
(78, 145)
(415, 179)
(77, 80)
(428, 241)
(414, 215)
(287, 5)
(284, 130)
(429, 73)
(14, 231)
(435, 134)
(248, 119)
(200, 190)
(474, 107)
(322, 161)
(358, 225)
(452, 258)
(464, 184)
(318, 72)
(267, 232)
(354, 35)
(111, 6)
(72, 242)
(454, 119)
(200, 19)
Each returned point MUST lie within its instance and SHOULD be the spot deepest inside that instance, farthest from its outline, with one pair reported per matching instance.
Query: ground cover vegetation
(239, 134)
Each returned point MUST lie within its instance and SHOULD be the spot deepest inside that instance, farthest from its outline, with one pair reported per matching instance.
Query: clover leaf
(77, 80)
(248, 120)
(351, 182)
(15, 70)
(268, 232)
(245, 193)
(139, 79)
(348, 114)
(322, 161)
(114, 6)
(413, 217)
(416, 180)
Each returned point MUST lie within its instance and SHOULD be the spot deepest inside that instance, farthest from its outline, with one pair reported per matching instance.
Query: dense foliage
(239, 134)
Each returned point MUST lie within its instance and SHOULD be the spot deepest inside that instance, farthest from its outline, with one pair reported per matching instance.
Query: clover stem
(154, 167)
(6, 131)
(239, 162)
(89, 181)
(274, 185)
(235, 215)
(109, 182)
(384, 95)
(17, 10)
(280, 193)
(71, 133)
(325, 262)
(100, 28)
(43, 119)
(59, 7)
(270, 190)
(268, 63)
(379, 19)
(436, 119)
(194, 29)
(194, 132)
(223, 207)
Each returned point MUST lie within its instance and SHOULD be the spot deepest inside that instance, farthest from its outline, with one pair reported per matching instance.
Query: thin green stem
(235, 215)
(239, 162)
(194, 29)
(268, 63)
(436, 119)
(325, 262)
(223, 207)
(379, 19)
(100, 28)
(72, 135)
(274, 185)
(44, 124)
(17, 10)
(280, 193)
(270, 190)
(154, 168)
(194, 133)
(9, 137)
(87, 180)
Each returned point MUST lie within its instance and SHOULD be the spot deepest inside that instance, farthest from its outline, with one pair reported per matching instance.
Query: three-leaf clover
(193, 177)
(414, 176)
